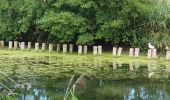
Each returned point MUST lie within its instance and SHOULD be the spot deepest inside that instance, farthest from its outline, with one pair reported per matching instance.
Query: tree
(115, 22)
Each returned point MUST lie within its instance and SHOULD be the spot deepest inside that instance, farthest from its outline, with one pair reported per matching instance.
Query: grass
(106, 56)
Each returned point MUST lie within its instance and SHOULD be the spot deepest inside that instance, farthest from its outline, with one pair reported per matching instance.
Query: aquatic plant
(79, 82)
(7, 93)
(70, 90)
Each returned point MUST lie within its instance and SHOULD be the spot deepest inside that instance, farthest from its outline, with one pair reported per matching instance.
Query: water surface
(47, 78)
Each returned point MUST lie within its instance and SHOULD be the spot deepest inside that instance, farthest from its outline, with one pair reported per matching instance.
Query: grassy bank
(106, 56)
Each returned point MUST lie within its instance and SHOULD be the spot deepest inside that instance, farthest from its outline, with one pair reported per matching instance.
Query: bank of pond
(81, 49)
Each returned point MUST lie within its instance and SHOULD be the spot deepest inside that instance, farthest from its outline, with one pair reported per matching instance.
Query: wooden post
(71, 48)
(149, 53)
(2, 43)
(85, 49)
(80, 49)
(29, 46)
(119, 51)
(15, 45)
(58, 47)
(10, 45)
(43, 46)
(64, 48)
(168, 55)
(50, 48)
(36, 46)
(94, 50)
(114, 52)
(131, 52)
(136, 52)
(22, 46)
(99, 50)
(154, 53)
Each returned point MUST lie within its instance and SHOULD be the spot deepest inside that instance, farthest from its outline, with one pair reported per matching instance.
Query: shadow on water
(46, 78)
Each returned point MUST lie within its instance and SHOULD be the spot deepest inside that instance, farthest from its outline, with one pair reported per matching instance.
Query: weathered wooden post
(71, 48)
(64, 48)
(136, 52)
(43, 47)
(85, 49)
(50, 48)
(149, 53)
(119, 51)
(99, 50)
(22, 46)
(131, 52)
(94, 50)
(168, 55)
(154, 53)
(58, 47)
(80, 49)
(2, 43)
(36, 46)
(15, 45)
(114, 52)
(29, 46)
(10, 45)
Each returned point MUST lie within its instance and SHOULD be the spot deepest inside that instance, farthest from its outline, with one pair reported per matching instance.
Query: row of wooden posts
(97, 50)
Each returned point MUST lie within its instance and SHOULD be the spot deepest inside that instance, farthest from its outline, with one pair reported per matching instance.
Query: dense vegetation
(107, 22)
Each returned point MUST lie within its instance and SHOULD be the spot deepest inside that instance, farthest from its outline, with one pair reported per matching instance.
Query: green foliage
(85, 39)
(64, 25)
(160, 25)
(117, 22)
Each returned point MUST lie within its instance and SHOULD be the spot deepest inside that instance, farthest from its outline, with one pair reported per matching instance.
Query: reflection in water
(99, 62)
(119, 64)
(151, 68)
(95, 62)
(47, 79)
(33, 93)
(114, 65)
(101, 83)
(131, 66)
(136, 64)
(168, 68)
(145, 94)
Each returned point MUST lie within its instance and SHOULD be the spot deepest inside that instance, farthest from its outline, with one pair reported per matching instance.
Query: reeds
(10, 94)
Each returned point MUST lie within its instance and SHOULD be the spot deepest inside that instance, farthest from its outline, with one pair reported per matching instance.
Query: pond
(48, 78)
